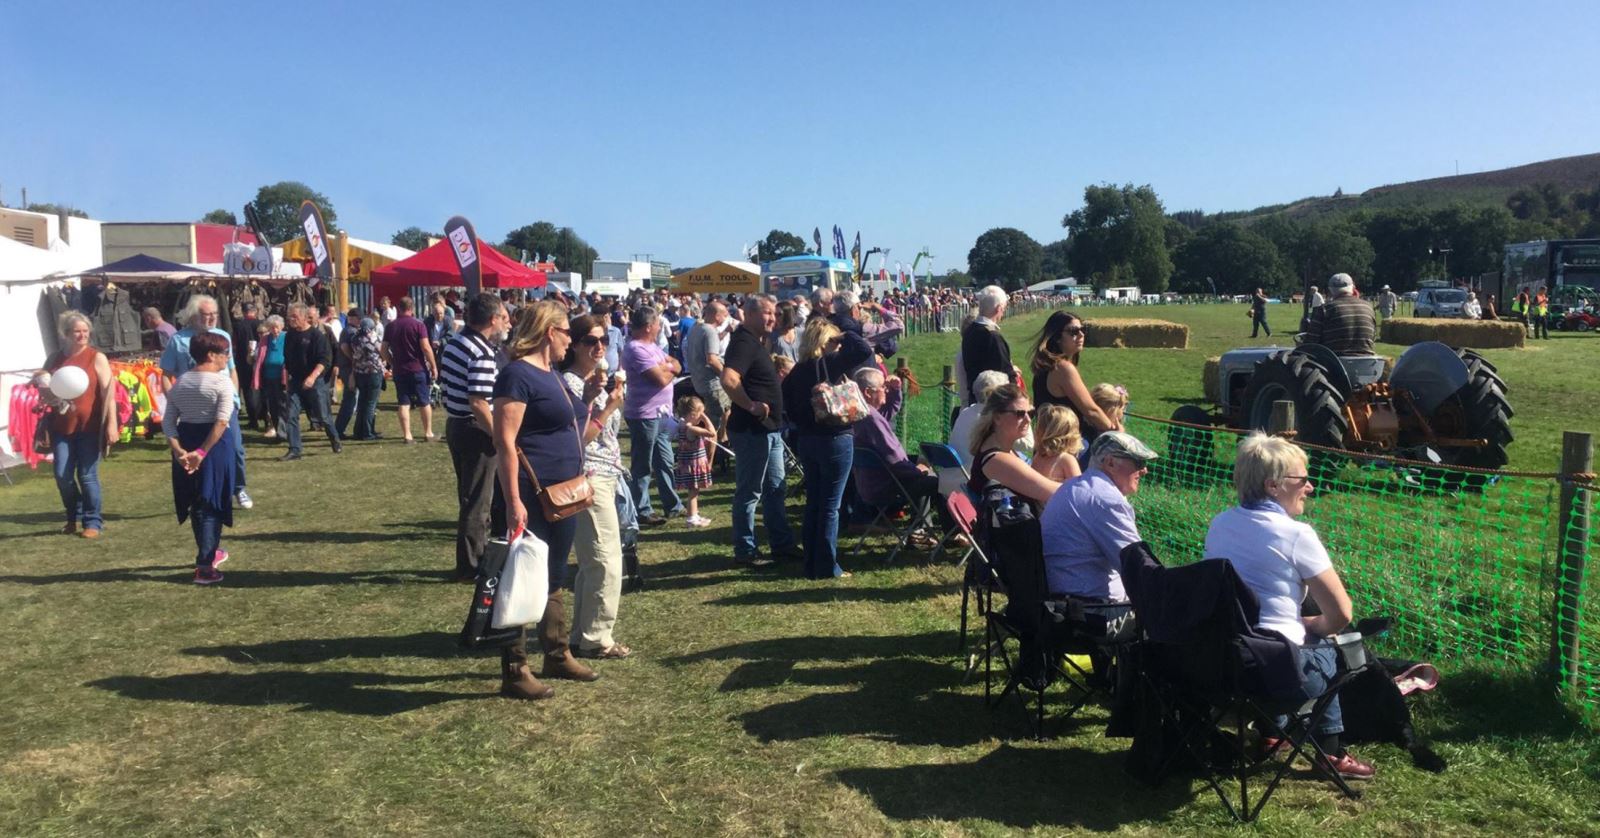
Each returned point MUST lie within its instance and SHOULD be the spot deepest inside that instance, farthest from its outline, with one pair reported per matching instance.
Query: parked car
(1579, 321)
(1440, 302)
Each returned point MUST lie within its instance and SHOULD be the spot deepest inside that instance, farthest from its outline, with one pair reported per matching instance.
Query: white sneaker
(697, 521)
(244, 500)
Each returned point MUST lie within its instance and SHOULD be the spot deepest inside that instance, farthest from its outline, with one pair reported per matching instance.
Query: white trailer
(635, 274)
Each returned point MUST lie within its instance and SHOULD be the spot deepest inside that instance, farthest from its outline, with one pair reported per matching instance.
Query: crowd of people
(537, 395)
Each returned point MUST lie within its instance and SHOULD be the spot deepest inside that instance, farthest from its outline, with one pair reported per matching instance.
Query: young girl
(1055, 454)
(782, 363)
(693, 473)
(1113, 399)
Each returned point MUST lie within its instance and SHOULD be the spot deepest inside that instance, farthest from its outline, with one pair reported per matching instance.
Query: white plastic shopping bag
(524, 583)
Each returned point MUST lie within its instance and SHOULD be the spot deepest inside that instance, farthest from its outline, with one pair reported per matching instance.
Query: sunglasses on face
(1074, 331)
(1026, 414)
(592, 341)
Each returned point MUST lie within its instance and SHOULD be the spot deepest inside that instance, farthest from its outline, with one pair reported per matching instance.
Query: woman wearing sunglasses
(1005, 419)
(1281, 560)
(1055, 374)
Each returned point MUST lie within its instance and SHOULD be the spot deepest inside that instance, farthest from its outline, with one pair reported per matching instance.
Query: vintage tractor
(1439, 405)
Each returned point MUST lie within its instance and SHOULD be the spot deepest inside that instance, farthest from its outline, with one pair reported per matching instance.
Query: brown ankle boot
(516, 679)
(558, 659)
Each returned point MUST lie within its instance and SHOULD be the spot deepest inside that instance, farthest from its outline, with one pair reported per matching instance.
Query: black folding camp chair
(1208, 679)
(919, 510)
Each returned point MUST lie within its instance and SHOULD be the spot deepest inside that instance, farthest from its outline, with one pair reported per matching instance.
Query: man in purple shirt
(410, 357)
(1089, 520)
(647, 408)
(876, 432)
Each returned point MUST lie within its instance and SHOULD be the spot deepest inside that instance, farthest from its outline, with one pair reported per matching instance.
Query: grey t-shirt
(701, 343)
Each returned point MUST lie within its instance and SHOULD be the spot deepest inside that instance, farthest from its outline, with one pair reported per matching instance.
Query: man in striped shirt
(466, 379)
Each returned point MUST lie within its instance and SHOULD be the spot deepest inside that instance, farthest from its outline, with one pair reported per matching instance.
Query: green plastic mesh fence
(1466, 563)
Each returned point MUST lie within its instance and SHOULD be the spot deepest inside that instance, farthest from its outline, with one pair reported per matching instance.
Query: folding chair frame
(921, 510)
(1208, 715)
(941, 457)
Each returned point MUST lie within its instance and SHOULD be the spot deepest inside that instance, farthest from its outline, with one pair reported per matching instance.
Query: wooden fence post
(1572, 537)
(1282, 421)
(947, 399)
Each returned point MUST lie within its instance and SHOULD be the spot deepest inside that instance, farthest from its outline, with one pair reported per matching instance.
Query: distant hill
(1569, 174)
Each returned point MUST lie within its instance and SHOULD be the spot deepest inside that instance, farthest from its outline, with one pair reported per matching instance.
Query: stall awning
(364, 256)
(436, 267)
(720, 277)
(142, 268)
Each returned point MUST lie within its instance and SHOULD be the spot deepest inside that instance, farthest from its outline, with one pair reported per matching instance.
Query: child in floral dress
(693, 471)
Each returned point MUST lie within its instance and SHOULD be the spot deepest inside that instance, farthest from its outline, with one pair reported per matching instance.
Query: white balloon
(69, 383)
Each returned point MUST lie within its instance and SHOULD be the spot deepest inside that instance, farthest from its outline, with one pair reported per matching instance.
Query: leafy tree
(413, 238)
(56, 209)
(537, 239)
(572, 253)
(220, 216)
(278, 208)
(1238, 260)
(779, 244)
(1118, 236)
(1476, 237)
(954, 278)
(1175, 233)
(1005, 256)
(1055, 264)
(1400, 241)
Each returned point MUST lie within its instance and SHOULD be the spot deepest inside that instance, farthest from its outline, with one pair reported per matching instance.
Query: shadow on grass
(932, 644)
(335, 537)
(422, 644)
(1020, 787)
(807, 596)
(241, 578)
(353, 693)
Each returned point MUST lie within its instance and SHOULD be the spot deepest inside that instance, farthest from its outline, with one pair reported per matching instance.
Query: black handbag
(478, 631)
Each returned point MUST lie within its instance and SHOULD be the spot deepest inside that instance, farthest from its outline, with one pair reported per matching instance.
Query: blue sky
(687, 129)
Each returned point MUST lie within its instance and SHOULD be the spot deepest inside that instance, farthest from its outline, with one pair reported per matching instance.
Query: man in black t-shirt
(306, 356)
(751, 381)
(244, 344)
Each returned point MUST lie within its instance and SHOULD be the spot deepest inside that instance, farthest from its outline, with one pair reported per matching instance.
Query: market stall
(435, 268)
(354, 260)
(720, 277)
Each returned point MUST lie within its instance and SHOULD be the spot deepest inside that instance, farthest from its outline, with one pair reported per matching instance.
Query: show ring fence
(1478, 569)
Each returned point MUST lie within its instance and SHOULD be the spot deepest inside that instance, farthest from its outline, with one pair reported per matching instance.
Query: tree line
(1123, 236)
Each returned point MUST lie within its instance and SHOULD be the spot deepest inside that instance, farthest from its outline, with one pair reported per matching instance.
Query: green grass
(318, 690)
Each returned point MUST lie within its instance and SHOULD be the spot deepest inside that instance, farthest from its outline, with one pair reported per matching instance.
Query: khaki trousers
(597, 590)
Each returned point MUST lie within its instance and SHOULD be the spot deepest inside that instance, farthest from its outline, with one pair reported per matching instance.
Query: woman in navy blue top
(535, 415)
(826, 451)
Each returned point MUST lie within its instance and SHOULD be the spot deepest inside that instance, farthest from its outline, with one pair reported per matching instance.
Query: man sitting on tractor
(1344, 324)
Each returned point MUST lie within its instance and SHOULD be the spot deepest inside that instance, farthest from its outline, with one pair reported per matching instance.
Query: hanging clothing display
(54, 302)
(24, 423)
(115, 325)
(251, 293)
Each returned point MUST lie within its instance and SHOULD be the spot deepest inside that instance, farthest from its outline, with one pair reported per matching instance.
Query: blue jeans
(207, 524)
(361, 403)
(758, 474)
(312, 401)
(1319, 664)
(826, 460)
(652, 457)
(627, 516)
(77, 468)
(238, 449)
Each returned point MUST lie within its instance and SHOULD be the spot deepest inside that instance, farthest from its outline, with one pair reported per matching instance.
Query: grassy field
(319, 691)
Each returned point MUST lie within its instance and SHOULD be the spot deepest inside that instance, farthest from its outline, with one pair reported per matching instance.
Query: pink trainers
(207, 576)
(218, 558)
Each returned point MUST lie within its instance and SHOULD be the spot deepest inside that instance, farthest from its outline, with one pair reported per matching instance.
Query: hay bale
(1137, 334)
(1212, 378)
(1474, 334)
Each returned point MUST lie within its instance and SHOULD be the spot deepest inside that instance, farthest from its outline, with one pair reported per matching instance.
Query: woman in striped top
(199, 408)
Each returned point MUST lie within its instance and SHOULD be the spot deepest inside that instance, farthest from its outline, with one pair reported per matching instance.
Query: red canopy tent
(436, 267)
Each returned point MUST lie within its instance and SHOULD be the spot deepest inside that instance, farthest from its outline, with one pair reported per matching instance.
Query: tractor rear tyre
(1478, 410)
(1191, 452)
(1290, 376)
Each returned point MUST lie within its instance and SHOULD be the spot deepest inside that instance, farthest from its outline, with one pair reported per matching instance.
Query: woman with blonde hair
(1056, 379)
(536, 424)
(1281, 560)
(83, 429)
(1005, 417)
(826, 451)
(1056, 443)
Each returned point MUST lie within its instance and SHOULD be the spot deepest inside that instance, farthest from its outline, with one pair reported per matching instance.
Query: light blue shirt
(175, 359)
(1085, 526)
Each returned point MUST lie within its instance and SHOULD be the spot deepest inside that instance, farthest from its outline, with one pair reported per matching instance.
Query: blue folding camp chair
(953, 477)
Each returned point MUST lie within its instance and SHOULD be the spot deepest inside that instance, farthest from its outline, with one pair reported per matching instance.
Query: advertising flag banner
(816, 237)
(317, 239)
(855, 255)
(464, 244)
(838, 242)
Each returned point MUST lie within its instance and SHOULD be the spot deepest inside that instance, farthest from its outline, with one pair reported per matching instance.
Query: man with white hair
(982, 346)
(1089, 521)
(1344, 324)
(821, 302)
(201, 315)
